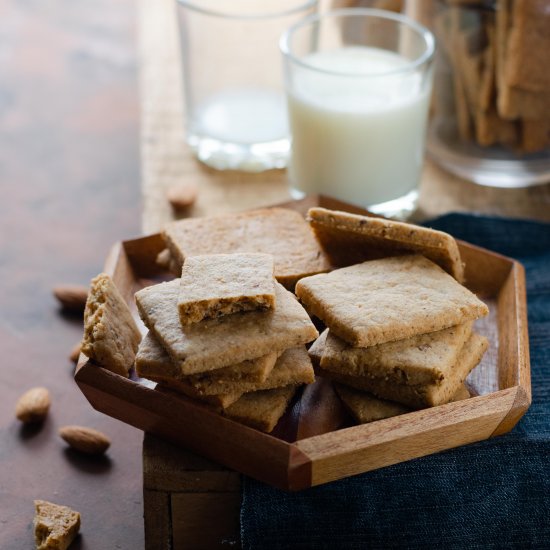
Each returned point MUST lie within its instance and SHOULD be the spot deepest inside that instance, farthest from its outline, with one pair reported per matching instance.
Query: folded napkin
(492, 494)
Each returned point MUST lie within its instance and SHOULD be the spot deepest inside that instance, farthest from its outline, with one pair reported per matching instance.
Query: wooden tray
(315, 442)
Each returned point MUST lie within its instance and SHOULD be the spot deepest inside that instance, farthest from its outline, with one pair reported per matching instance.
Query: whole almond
(85, 440)
(33, 405)
(75, 352)
(182, 195)
(71, 297)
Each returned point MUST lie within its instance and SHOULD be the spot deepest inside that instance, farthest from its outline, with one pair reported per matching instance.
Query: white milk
(357, 138)
(242, 116)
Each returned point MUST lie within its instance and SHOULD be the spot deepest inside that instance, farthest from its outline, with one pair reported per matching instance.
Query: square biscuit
(350, 238)
(280, 232)
(111, 336)
(422, 359)
(217, 343)
(153, 362)
(366, 408)
(182, 386)
(419, 396)
(220, 284)
(293, 367)
(317, 349)
(262, 409)
(389, 299)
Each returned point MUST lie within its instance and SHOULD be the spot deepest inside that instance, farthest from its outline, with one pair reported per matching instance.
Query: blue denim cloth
(492, 494)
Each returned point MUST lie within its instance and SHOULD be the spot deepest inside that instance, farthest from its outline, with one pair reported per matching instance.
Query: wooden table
(69, 181)
(69, 176)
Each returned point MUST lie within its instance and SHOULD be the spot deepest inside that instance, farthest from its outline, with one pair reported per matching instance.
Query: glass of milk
(358, 87)
(232, 78)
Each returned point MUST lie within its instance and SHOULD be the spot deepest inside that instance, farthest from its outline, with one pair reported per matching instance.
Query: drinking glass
(234, 95)
(358, 85)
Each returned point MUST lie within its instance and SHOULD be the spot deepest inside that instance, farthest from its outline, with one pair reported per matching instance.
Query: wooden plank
(157, 520)
(167, 467)
(196, 499)
(514, 349)
(206, 521)
(512, 327)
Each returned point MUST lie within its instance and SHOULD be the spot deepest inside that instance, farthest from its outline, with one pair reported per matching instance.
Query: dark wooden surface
(69, 187)
(190, 503)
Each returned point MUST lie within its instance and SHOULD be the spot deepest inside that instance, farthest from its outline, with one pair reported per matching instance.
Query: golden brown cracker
(280, 232)
(111, 336)
(352, 238)
(390, 299)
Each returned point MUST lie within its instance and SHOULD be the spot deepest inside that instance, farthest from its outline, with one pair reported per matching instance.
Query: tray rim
(309, 460)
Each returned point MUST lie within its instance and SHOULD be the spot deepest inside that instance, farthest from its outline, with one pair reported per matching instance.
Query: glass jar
(491, 111)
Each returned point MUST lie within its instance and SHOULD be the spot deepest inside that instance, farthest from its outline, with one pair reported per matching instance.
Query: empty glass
(236, 110)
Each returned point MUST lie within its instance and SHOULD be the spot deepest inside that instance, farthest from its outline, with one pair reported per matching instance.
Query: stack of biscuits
(229, 335)
(399, 333)
(496, 54)
(398, 324)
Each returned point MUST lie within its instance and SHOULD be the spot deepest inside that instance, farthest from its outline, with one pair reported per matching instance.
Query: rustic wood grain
(513, 300)
(189, 502)
(346, 452)
(206, 521)
(157, 520)
(167, 467)
(243, 448)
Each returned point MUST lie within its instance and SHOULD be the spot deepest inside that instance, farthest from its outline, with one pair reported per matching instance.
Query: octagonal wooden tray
(316, 442)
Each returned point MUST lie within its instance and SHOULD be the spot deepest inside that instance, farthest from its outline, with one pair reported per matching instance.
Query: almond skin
(33, 405)
(75, 353)
(182, 195)
(85, 440)
(71, 297)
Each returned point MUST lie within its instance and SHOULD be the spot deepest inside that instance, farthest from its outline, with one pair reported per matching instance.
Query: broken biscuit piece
(220, 284)
(111, 336)
(55, 526)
